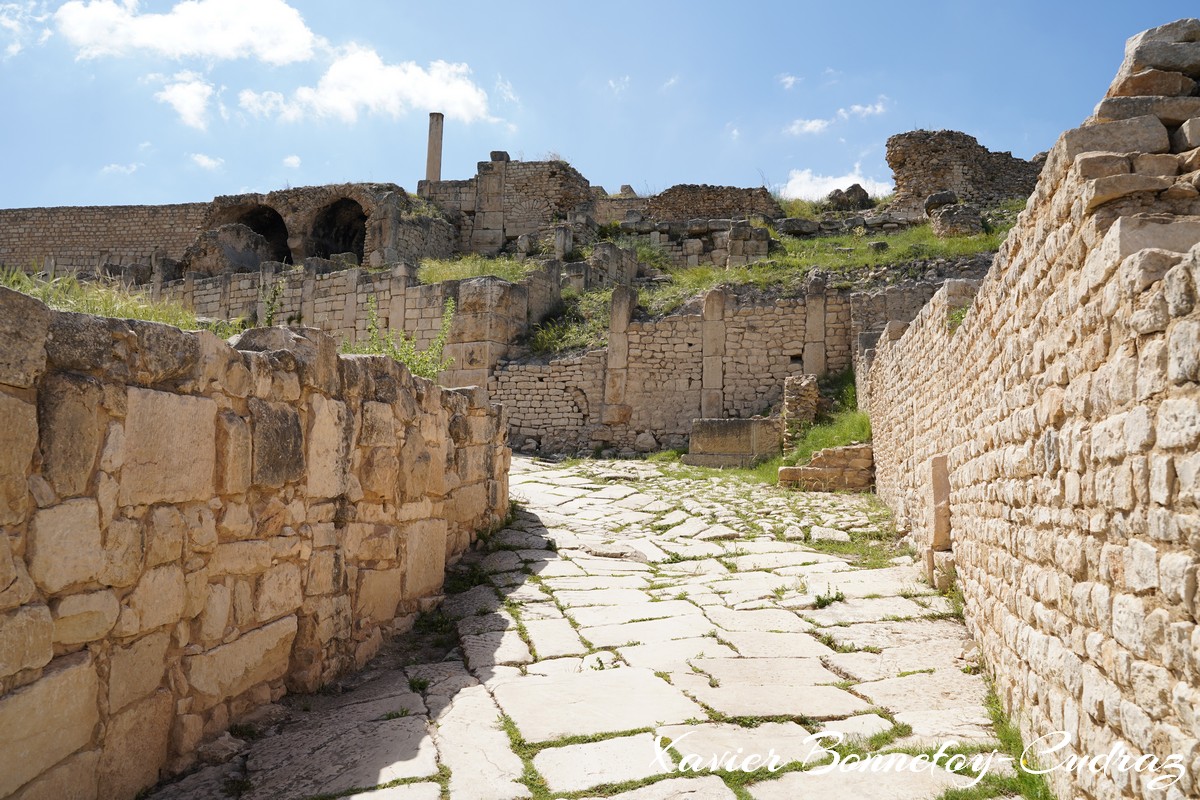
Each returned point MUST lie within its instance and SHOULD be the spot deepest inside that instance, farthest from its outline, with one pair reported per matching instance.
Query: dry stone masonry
(192, 529)
(1049, 438)
(925, 162)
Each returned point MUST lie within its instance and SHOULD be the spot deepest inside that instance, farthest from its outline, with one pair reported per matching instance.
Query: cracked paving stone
(707, 788)
(552, 638)
(495, 648)
(600, 597)
(717, 744)
(838, 785)
(471, 742)
(673, 655)
(588, 703)
(332, 759)
(764, 621)
(656, 630)
(756, 644)
(577, 767)
(593, 616)
(895, 634)
(891, 661)
(766, 671)
(408, 791)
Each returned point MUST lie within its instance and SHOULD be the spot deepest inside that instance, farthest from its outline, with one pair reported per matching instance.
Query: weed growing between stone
(436, 270)
(401, 347)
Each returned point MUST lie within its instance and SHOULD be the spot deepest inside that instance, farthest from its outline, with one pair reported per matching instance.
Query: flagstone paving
(639, 631)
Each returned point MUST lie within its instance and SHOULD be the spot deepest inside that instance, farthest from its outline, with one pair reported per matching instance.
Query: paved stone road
(627, 603)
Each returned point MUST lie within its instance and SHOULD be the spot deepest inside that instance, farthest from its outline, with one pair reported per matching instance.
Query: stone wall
(507, 199)
(924, 162)
(691, 201)
(657, 375)
(720, 242)
(834, 469)
(490, 313)
(85, 238)
(1051, 438)
(190, 530)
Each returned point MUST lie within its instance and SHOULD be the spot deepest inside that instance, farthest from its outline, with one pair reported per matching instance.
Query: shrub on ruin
(400, 347)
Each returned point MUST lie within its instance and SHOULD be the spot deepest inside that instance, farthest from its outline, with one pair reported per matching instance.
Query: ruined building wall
(656, 376)
(1067, 408)
(190, 530)
(924, 162)
(507, 199)
(692, 201)
(489, 313)
(85, 237)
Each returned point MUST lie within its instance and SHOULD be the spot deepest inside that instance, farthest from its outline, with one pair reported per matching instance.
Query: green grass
(436, 270)
(843, 255)
(102, 298)
(842, 428)
(580, 324)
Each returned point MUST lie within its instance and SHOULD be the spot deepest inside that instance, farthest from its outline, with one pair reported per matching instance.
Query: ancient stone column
(433, 160)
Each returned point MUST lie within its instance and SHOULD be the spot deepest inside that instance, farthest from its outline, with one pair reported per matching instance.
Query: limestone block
(135, 746)
(1142, 134)
(1152, 82)
(137, 670)
(215, 617)
(227, 671)
(124, 553)
(1171, 110)
(44, 722)
(1183, 352)
(64, 545)
(278, 592)
(159, 597)
(937, 513)
(378, 425)
(234, 451)
(324, 573)
(72, 779)
(425, 558)
(69, 416)
(380, 472)
(170, 450)
(24, 323)
(328, 447)
(1090, 166)
(164, 536)
(1178, 423)
(26, 639)
(1103, 190)
(18, 440)
(80, 618)
(278, 444)
(379, 593)
(241, 558)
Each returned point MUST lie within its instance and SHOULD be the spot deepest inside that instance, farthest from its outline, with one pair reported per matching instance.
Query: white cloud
(359, 81)
(505, 89)
(803, 126)
(268, 30)
(670, 82)
(804, 184)
(292, 162)
(735, 134)
(618, 85)
(788, 81)
(17, 24)
(145, 145)
(120, 169)
(206, 162)
(188, 93)
(873, 110)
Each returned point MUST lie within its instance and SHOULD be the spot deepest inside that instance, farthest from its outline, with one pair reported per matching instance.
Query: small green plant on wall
(401, 347)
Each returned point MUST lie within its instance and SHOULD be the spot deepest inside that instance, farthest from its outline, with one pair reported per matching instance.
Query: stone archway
(263, 220)
(340, 227)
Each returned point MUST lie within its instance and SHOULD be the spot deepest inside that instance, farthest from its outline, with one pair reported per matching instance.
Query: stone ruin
(194, 527)
(925, 162)
(1038, 433)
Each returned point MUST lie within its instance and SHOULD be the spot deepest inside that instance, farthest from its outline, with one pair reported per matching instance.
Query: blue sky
(119, 101)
